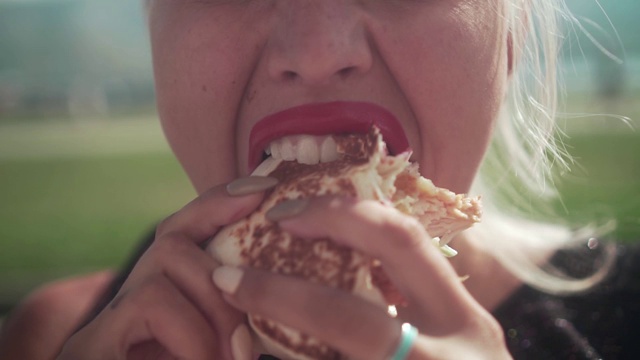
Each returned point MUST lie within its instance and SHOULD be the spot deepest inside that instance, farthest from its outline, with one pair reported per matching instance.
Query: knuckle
(486, 326)
(167, 247)
(494, 330)
(164, 225)
(149, 291)
(405, 231)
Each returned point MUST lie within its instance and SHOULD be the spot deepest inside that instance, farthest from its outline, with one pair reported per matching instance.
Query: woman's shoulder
(596, 324)
(41, 323)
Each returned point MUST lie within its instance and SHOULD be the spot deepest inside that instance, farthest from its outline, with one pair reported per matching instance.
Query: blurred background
(85, 171)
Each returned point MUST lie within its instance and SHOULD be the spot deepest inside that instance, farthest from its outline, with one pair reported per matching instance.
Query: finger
(354, 326)
(170, 319)
(366, 330)
(222, 205)
(189, 268)
(403, 246)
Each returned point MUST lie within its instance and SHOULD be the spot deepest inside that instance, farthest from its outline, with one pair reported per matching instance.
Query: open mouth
(303, 133)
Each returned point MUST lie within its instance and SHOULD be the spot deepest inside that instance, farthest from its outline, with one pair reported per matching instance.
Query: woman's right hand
(168, 307)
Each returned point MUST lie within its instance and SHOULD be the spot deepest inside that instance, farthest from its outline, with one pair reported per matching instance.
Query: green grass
(604, 182)
(77, 196)
(60, 217)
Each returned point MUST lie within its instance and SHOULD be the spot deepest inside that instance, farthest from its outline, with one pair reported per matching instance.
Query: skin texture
(440, 66)
(39, 326)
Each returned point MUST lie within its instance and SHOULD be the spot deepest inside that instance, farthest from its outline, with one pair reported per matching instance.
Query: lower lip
(324, 119)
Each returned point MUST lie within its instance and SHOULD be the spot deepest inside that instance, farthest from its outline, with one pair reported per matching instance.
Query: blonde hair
(516, 178)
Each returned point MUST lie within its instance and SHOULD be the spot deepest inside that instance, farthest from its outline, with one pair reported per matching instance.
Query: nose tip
(319, 45)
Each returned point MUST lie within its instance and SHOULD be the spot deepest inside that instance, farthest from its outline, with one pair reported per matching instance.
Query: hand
(452, 324)
(168, 308)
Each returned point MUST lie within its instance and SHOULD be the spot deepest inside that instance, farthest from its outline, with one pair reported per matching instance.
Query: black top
(601, 324)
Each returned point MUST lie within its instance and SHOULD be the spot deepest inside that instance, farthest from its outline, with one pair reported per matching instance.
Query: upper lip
(323, 119)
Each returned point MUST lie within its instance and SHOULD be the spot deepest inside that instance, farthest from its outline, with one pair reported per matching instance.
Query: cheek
(455, 91)
(199, 85)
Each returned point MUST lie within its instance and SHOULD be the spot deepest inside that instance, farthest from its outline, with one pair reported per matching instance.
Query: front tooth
(308, 152)
(287, 150)
(328, 150)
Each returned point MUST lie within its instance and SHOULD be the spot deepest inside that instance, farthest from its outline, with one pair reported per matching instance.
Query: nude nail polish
(227, 278)
(286, 209)
(241, 343)
(250, 184)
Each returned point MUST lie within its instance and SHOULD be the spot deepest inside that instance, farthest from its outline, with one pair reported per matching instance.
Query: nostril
(289, 75)
(345, 72)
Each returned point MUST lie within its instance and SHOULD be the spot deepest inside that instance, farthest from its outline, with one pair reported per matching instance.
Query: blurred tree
(87, 57)
(37, 52)
(72, 57)
(607, 36)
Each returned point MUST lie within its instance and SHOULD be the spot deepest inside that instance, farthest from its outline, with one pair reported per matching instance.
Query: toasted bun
(363, 170)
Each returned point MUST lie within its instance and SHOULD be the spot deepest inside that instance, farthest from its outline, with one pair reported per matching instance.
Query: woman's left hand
(451, 323)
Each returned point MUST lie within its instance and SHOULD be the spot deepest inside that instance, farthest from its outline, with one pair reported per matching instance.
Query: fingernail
(286, 209)
(250, 184)
(227, 278)
(241, 343)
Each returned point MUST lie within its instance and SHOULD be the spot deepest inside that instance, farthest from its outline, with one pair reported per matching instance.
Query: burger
(359, 166)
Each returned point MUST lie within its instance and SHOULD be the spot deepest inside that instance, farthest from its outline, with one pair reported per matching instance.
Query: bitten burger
(362, 169)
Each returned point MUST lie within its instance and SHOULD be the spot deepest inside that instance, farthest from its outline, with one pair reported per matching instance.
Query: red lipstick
(323, 119)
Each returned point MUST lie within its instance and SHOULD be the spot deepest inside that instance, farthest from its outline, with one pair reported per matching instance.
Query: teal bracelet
(409, 335)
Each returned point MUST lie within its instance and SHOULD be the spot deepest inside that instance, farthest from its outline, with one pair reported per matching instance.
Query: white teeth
(328, 150)
(305, 149)
(308, 151)
(287, 150)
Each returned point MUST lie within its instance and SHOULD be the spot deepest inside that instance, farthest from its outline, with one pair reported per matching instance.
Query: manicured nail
(241, 348)
(286, 209)
(250, 184)
(227, 278)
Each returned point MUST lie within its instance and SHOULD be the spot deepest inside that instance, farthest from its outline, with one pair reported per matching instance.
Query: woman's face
(438, 66)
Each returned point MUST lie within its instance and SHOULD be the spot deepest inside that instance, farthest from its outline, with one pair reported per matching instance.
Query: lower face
(439, 66)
